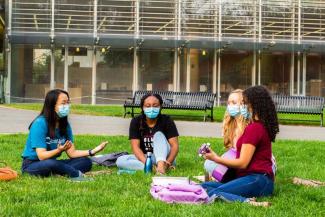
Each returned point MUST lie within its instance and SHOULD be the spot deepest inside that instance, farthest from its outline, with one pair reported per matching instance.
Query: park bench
(300, 105)
(203, 101)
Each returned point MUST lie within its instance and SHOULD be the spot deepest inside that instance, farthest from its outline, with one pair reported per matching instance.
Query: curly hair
(260, 100)
(230, 124)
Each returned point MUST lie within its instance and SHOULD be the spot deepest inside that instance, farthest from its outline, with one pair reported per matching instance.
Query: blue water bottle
(148, 164)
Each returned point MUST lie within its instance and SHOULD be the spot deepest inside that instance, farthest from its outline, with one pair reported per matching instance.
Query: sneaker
(81, 178)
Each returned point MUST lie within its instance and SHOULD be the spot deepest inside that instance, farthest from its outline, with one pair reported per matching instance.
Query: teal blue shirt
(38, 138)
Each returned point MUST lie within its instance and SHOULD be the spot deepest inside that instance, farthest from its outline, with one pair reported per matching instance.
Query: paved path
(17, 121)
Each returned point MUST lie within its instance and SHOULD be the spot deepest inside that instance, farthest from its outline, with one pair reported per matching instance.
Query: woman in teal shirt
(50, 135)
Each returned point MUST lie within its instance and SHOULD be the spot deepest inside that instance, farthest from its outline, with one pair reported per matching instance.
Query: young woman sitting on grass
(253, 163)
(233, 126)
(51, 134)
(151, 132)
(235, 120)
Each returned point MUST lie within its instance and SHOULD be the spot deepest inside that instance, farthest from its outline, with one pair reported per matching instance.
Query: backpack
(178, 190)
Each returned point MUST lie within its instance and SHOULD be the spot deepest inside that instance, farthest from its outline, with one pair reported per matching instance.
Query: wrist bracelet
(90, 153)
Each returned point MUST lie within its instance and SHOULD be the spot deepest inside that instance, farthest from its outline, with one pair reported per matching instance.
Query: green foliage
(128, 195)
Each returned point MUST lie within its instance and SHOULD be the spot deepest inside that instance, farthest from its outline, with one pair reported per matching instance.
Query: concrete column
(52, 81)
(135, 85)
(298, 74)
(254, 69)
(66, 69)
(292, 73)
(304, 69)
(8, 83)
(176, 71)
(188, 70)
(259, 67)
(93, 78)
(214, 72)
(219, 77)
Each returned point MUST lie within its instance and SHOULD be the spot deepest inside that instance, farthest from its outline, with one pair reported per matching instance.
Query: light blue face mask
(233, 110)
(151, 112)
(63, 110)
(244, 112)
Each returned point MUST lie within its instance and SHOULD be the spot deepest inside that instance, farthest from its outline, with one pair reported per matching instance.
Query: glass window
(114, 75)
(315, 75)
(80, 74)
(201, 70)
(30, 73)
(275, 72)
(156, 70)
(236, 71)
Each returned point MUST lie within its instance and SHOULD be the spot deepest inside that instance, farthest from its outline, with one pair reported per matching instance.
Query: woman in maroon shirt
(253, 164)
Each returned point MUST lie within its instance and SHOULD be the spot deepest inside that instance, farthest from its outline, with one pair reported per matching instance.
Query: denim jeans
(69, 167)
(240, 189)
(161, 150)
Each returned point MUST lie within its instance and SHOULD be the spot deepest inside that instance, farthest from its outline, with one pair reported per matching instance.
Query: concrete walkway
(18, 120)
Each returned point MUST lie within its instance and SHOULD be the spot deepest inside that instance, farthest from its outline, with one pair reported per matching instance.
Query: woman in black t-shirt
(151, 132)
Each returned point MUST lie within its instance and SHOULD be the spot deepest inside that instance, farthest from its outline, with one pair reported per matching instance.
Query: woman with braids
(50, 135)
(152, 132)
(253, 164)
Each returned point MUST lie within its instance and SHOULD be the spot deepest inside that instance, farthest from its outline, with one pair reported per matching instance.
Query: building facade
(101, 51)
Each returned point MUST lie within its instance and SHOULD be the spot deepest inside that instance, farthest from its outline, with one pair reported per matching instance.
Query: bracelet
(89, 152)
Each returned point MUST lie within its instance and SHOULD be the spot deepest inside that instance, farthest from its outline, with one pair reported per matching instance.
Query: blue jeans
(69, 167)
(161, 150)
(240, 189)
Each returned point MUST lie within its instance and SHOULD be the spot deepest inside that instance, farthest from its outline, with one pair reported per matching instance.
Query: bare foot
(161, 167)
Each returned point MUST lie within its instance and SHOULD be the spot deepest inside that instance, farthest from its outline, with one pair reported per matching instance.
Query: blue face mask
(244, 112)
(63, 110)
(233, 110)
(151, 112)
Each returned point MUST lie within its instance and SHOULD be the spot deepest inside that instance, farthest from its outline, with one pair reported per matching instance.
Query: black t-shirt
(164, 124)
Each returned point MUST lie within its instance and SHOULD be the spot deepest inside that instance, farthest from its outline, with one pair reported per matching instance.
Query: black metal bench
(176, 100)
(300, 105)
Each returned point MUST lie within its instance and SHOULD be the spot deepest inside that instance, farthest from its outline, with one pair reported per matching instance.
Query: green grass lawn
(128, 195)
(218, 113)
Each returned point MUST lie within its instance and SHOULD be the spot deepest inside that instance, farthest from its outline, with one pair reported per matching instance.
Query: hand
(65, 146)
(211, 156)
(99, 148)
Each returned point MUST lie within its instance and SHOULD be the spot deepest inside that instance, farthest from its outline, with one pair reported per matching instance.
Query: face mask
(63, 110)
(151, 112)
(233, 110)
(244, 112)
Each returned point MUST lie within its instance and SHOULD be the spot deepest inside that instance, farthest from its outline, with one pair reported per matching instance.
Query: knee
(120, 161)
(209, 166)
(159, 136)
(86, 162)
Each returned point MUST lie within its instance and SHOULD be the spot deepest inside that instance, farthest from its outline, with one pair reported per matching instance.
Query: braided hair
(143, 116)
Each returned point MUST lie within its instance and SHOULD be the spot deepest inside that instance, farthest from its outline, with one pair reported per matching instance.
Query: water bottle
(148, 164)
